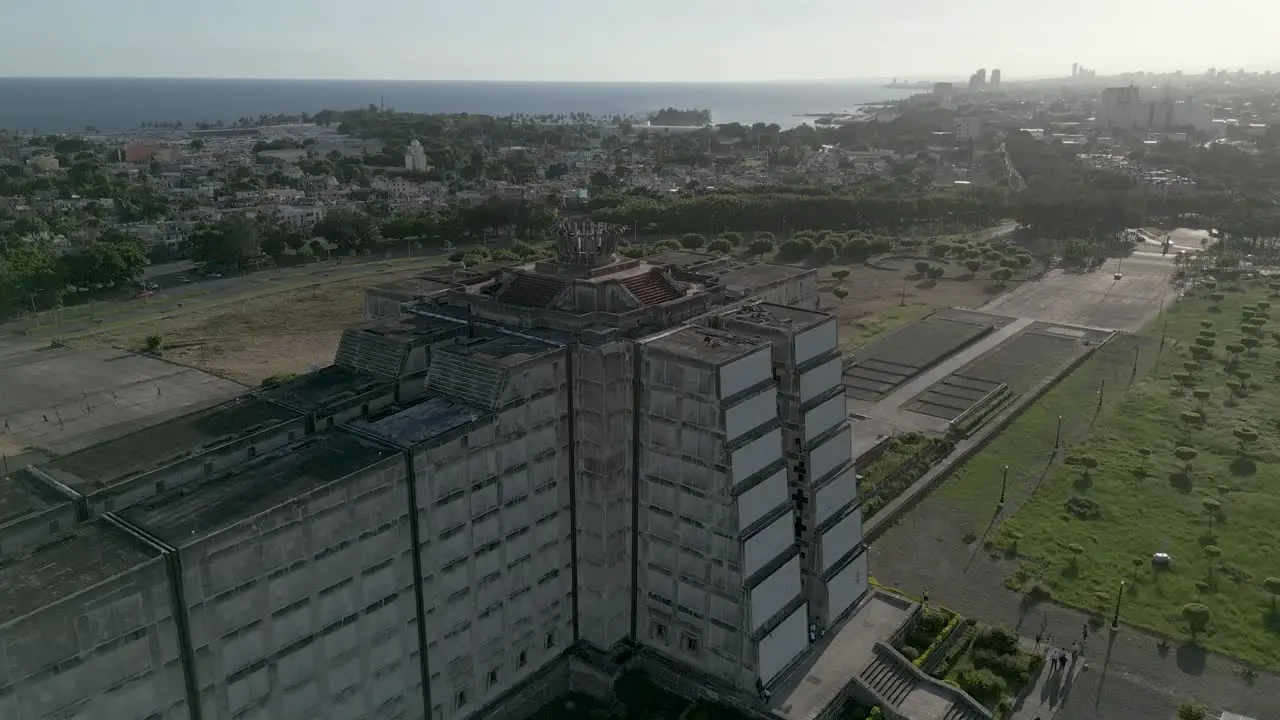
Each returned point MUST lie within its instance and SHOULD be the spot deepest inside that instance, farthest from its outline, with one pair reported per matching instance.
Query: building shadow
(1191, 659)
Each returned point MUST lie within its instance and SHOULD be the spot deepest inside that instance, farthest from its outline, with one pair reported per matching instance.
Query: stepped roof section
(488, 372)
(588, 290)
(322, 389)
(388, 349)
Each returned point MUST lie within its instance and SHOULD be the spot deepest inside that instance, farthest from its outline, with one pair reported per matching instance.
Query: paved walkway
(1052, 686)
(1129, 677)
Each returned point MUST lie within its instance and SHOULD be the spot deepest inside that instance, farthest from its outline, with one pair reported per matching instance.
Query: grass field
(1115, 516)
(255, 337)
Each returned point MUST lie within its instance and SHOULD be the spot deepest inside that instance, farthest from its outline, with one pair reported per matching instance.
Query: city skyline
(699, 42)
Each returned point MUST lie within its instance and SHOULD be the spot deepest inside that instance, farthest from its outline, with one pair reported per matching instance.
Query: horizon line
(904, 79)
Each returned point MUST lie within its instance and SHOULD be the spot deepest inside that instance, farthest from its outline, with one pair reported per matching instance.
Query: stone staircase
(369, 352)
(462, 378)
(889, 679)
(963, 712)
(651, 289)
(531, 291)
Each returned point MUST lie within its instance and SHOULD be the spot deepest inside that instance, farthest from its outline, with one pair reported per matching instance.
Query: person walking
(1075, 652)
(1084, 633)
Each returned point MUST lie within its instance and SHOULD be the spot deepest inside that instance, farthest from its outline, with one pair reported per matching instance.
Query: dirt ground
(252, 339)
(881, 300)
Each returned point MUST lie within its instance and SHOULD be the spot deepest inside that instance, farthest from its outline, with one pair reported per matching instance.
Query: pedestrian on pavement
(925, 596)
(1084, 633)
(1075, 652)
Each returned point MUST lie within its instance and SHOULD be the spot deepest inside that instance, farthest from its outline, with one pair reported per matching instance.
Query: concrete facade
(527, 470)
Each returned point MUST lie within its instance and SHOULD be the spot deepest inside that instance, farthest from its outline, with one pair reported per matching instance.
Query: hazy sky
(626, 39)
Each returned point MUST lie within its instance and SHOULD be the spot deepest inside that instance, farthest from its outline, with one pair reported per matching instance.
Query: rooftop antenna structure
(586, 244)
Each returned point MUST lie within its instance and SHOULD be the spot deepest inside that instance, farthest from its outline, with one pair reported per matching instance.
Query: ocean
(67, 105)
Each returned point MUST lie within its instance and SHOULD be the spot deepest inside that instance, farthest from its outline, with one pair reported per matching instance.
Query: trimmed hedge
(946, 632)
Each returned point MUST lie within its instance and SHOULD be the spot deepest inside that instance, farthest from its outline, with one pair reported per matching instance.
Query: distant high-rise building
(978, 79)
(995, 78)
(1213, 72)
(1075, 69)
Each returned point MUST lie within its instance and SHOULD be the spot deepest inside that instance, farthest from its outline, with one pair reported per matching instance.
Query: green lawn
(1140, 512)
(858, 334)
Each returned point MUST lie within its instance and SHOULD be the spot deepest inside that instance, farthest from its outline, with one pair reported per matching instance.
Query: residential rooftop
(716, 347)
(421, 422)
(321, 389)
(21, 494)
(191, 513)
(73, 562)
(778, 317)
(94, 467)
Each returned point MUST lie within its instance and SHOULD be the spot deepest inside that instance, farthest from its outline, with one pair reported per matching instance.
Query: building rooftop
(411, 327)
(145, 450)
(411, 288)
(73, 562)
(716, 347)
(188, 514)
(21, 494)
(778, 317)
(682, 259)
(505, 351)
(416, 424)
(752, 277)
(322, 388)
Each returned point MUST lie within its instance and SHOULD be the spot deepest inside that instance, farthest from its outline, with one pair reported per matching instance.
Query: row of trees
(747, 211)
(33, 275)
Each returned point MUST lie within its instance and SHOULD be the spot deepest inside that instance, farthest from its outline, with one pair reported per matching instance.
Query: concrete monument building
(513, 481)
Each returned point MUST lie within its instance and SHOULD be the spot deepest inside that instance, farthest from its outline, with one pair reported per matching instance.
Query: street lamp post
(1057, 439)
(1115, 620)
(1004, 483)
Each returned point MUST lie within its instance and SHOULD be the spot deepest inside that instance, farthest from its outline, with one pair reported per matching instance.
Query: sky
(627, 40)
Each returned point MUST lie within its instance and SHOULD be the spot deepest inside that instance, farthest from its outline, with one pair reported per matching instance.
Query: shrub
(154, 345)
(1083, 508)
(273, 380)
(922, 266)
(760, 246)
(856, 250)
(974, 266)
(934, 272)
(1192, 710)
(794, 250)
(1197, 617)
(692, 241)
(982, 684)
(823, 254)
(840, 293)
(457, 255)
(910, 653)
(734, 238)
(840, 275)
(719, 245)
(999, 638)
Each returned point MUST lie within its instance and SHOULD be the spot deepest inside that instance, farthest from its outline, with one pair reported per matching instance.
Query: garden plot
(899, 357)
(1018, 364)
